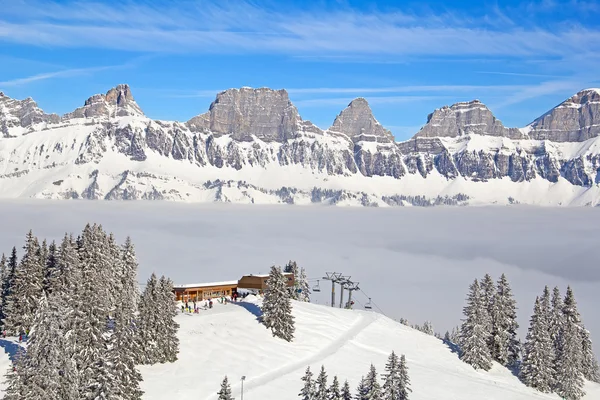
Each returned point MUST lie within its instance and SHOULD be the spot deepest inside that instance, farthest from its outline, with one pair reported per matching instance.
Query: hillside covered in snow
(252, 146)
(228, 340)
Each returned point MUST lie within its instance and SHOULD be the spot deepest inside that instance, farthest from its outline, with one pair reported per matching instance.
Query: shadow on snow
(252, 308)
(10, 348)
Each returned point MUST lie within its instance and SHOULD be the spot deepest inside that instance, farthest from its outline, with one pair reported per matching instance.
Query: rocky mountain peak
(357, 122)
(21, 113)
(463, 118)
(265, 113)
(574, 120)
(118, 101)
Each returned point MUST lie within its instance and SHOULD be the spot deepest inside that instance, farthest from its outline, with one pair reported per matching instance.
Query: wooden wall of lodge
(203, 293)
(210, 292)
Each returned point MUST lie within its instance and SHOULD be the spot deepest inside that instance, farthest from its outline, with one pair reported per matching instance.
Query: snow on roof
(195, 285)
(267, 275)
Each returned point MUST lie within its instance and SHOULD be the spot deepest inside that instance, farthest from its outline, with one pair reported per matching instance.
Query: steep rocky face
(465, 118)
(118, 102)
(243, 113)
(357, 122)
(575, 120)
(21, 113)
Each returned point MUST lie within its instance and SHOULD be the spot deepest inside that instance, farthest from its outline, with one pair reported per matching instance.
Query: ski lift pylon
(316, 288)
(368, 305)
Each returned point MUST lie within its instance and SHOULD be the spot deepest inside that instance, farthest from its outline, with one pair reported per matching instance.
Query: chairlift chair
(316, 288)
(368, 305)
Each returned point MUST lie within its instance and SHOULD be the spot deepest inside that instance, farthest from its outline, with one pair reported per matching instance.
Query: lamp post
(243, 379)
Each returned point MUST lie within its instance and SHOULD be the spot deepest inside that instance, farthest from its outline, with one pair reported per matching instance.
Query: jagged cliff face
(253, 146)
(466, 118)
(575, 120)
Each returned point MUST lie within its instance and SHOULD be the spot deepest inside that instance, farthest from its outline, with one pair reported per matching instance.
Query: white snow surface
(228, 340)
(29, 167)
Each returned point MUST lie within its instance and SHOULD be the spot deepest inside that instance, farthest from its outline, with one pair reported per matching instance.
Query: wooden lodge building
(203, 291)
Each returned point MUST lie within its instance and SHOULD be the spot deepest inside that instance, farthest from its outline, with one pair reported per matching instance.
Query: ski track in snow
(331, 349)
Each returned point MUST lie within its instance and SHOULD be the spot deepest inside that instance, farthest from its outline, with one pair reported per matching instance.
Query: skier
(210, 303)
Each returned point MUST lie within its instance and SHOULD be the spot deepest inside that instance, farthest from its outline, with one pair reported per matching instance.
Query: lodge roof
(210, 284)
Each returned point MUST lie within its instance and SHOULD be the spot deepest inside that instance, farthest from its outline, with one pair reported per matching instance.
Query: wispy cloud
(65, 73)
(233, 27)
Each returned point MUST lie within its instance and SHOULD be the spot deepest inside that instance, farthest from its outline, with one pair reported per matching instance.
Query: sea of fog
(415, 263)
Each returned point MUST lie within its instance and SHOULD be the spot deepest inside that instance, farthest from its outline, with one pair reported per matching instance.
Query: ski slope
(228, 340)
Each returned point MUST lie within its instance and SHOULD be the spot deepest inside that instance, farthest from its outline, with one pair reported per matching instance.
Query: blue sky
(405, 58)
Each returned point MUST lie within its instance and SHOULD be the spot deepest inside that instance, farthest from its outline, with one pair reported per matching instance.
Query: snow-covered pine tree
(474, 330)
(94, 308)
(505, 345)
(304, 294)
(404, 380)
(225, 392)
(308, 389)
(428, 328)
(48, 371)
(3, 270)
(7, 283)
(589, 364)
(277, 306)
(321, 385)
(346, 393)
(569, 378)
(149, 313)
(488, 290)
(15, 385)
(333, 393)
(292, 267)
(362, 390)
(372, 386)
(26, 289)
(124, 349)
(391, 378)
(168, 342)
(537, 366)
(556, 320)
(50, 269)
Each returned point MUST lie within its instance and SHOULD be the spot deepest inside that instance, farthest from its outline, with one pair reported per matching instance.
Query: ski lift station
(203, 291)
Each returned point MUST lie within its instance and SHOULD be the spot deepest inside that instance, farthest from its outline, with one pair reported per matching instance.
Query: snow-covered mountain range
(252, 146)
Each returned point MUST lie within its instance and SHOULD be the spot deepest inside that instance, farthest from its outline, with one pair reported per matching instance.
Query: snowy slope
(228, 340)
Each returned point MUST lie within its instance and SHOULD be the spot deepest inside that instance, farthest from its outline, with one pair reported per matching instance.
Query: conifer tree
(488, 292)
(346, 393)
(589, 365)
(225, 392)
(309, 389)
(321, 385)
(537, 366)
(50, 270)
(3, 270)
(555, 323)
(26, 289)
(474, 333)
(48, 372)
(123, 347)
(168, 342)
(505, 345)
(292, 267)
(404, 380)
(569, 378)
(15, 378)
(372, 386)
(303, 285)
(333, 393)
(427, 328)
(277, 307)
(362, 390)
(391, 378)
(149, 313)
